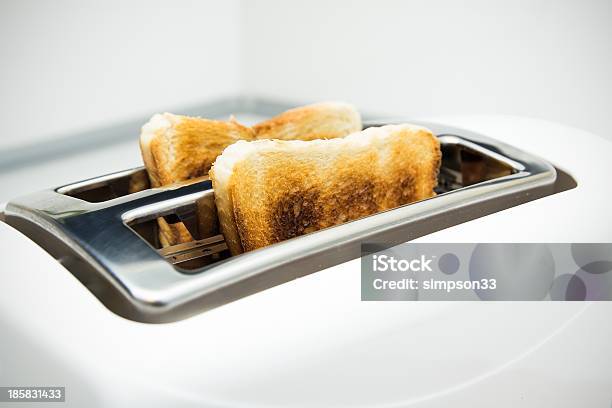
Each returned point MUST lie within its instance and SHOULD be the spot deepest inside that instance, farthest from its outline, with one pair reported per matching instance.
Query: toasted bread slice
(325, 120)
(177, 148)
(267, 191)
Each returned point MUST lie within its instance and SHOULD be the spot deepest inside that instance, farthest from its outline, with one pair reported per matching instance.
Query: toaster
(92, 302)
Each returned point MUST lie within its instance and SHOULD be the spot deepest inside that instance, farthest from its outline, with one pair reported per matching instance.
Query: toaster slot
(198, 217)
(108, 187)
(463, 166)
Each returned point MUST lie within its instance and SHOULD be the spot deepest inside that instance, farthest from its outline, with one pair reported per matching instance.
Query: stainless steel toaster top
(104, 231)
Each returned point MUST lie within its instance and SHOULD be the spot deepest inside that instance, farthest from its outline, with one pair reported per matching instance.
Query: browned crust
(172, 234)
(193, 147)
(326, 120)
(279, 195)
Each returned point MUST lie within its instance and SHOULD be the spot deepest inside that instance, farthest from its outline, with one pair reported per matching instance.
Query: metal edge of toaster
(152, 290)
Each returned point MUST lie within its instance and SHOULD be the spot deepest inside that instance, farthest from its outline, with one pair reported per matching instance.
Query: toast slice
(177, 148)
(326, 120)
(267, 191)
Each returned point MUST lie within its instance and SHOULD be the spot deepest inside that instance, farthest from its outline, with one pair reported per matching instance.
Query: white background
(72, 65)
(75, 65)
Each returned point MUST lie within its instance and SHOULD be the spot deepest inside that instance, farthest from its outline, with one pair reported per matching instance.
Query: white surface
(312, 341)
(541, 59)
(72, 65)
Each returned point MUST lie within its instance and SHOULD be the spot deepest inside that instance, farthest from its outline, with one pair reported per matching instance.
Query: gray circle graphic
(521, 271)
(598, 286)
(568, 287)
(593, 258)
(448, 263)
